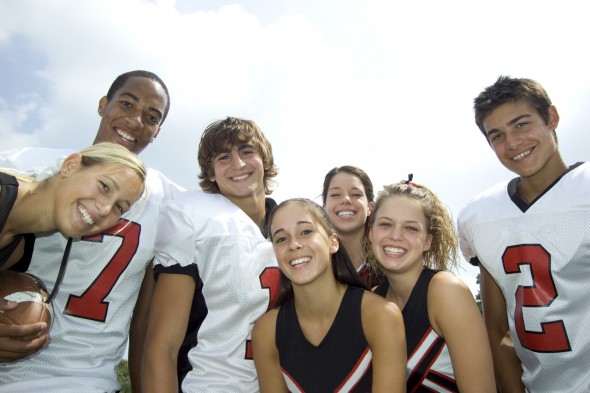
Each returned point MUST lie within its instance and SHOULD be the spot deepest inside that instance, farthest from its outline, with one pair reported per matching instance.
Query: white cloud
(384, 85)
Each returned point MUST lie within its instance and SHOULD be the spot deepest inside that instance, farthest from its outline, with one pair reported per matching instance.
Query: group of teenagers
(222, 290)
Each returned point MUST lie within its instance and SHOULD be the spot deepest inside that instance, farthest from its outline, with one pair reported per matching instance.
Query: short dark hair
(123, 78)
(220, 136)
(507, 89)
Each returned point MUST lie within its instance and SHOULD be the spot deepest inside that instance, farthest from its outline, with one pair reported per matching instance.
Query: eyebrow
(390, 219)
(116, 186)
(298, 223)
(136, 99)
(510, 123)
(354, 188)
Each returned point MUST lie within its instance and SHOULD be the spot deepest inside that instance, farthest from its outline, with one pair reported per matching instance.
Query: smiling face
(239, 173)
(399, 234)
(132, 117)
(303, 247)
(92, 199)
(346, 203)
(521, 139)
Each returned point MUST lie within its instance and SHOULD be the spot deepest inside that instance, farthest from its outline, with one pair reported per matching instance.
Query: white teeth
(521, 155)
(299, 261)
(345, 213)
(393, 250)
(238, 178)
(124, 135)
(85, 216)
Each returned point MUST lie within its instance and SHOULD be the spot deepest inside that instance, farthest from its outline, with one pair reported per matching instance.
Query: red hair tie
(410, 182)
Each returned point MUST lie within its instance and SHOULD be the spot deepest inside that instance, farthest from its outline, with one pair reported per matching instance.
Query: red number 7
(91, 304)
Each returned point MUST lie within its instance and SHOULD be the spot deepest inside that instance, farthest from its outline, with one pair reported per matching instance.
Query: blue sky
(384, 85)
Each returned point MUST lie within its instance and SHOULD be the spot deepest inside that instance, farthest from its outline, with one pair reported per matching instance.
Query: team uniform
(369, 275)
(234, 267)
(340, 363)
(539, 256)
(95, 302)
(429, 362)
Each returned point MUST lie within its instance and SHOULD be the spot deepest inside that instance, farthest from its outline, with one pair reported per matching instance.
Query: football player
(216, 271)
(531, 239)
(108, 281)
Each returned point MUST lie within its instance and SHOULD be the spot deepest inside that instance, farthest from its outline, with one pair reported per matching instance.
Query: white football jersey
(539, 256)
(240, 274)
(94, 304)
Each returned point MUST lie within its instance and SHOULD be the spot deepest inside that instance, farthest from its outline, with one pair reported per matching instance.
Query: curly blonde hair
(443, 251)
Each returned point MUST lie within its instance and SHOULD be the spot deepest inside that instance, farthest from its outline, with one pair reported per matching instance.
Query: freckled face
(399, 234)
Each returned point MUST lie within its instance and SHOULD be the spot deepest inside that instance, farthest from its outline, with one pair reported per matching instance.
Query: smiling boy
(531, 239)
(216, 272)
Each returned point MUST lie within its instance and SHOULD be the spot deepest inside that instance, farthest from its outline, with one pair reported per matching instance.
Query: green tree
(478, 296)
(123, 376)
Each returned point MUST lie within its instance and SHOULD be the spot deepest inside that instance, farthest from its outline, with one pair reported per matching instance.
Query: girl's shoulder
(446, 285)
(449, 300)
(377, 307)
(269, 317)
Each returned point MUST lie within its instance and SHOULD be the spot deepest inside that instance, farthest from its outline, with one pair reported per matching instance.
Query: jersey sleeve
(162, 185)
(465, 243)
(175, 237)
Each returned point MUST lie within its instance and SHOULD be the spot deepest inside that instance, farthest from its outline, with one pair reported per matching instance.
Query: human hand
(12, 346)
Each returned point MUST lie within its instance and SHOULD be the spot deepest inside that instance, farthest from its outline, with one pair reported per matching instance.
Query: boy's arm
(507, 366)
(138, 328)
(168, 320)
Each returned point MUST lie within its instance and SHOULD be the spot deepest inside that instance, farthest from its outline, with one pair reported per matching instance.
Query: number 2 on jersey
(553, 335)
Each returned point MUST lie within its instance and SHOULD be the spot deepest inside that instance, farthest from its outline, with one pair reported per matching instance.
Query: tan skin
(507, 367)
(399, 237)
(104, 192)
(239, 174)
(136, 110)
(515, 129)
(526, 145)
(317, 299)
(168, 321)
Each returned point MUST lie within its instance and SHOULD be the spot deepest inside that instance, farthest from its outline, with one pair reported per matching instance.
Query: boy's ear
(553, 118)
(102, 104)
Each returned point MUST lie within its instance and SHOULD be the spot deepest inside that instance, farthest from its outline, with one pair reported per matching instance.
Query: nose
(395, 233)
(104, 207)
(346, 199)
(236, 160)
(134, 120)
(513, 140)
(294, 244)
